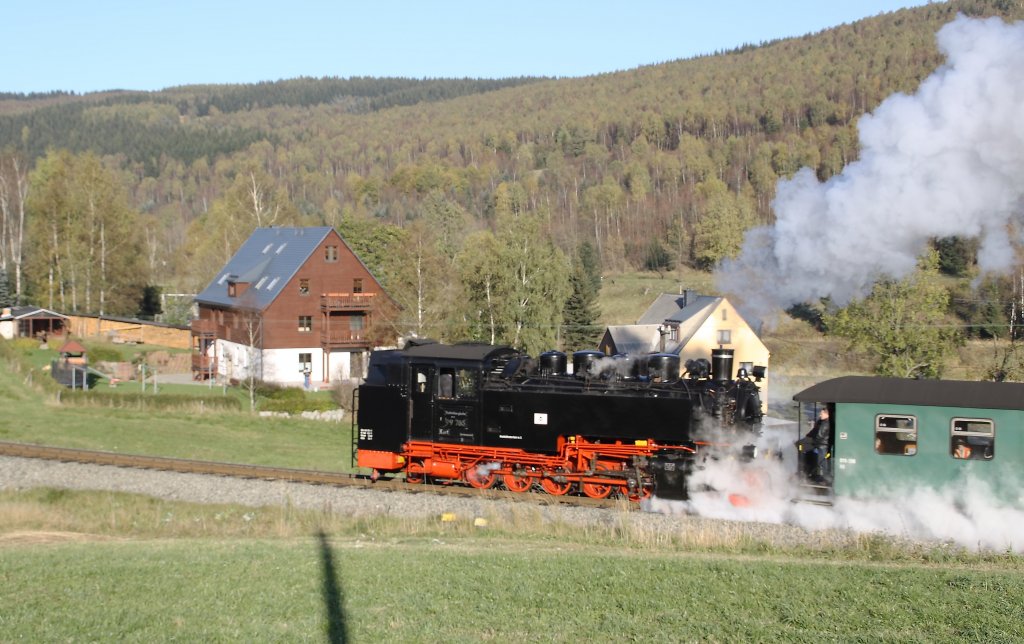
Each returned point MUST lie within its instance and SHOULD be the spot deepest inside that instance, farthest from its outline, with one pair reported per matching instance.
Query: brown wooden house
(293, 306)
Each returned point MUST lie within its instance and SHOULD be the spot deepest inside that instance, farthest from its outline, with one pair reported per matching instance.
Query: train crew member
(815, 446)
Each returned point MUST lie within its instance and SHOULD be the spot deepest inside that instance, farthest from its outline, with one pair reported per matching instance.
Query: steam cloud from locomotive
(945, 161)
(966, 516)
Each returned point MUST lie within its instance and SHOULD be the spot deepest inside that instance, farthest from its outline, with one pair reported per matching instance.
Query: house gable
(693, 326)
(332, 294)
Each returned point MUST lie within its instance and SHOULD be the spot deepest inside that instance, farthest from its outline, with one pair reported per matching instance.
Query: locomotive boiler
(484, 415)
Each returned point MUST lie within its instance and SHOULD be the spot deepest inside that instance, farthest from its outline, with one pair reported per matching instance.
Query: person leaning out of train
(815, 444)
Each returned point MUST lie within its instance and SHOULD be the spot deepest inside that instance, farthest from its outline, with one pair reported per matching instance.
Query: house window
(725, 315)
(305, 323)
(231, 289)
(725, 336)
(972, 438)
(331, 253)
(673, 332)
(896, 435)
(357, 285)
(303, 287)
(305, 361)
(355, 323)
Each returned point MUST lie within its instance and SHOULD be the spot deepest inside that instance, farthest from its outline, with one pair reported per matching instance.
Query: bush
(295, 401)
(103, 353)
(263, 389)
(342, 393)
(24, 346)
(172, 402)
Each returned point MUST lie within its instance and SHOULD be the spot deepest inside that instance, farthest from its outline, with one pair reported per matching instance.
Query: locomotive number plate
(540, 419)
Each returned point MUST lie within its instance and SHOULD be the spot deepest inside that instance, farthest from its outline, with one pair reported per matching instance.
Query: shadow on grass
(333, 596)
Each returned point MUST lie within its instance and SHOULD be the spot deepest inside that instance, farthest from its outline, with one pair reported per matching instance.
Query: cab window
(896, 435)
(456, 383)
(465, 384)
(972, 439)
(446, 383)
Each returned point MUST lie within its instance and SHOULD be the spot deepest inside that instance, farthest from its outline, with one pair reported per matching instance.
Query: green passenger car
(892, 435)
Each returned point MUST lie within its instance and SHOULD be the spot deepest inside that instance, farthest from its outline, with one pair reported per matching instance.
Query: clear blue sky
(85, 46)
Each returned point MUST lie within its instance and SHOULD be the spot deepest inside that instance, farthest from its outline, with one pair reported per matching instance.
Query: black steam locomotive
(481, 414)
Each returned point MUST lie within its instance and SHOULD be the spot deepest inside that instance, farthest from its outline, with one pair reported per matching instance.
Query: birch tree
(85, 239)
(516, 283)
(13, 194)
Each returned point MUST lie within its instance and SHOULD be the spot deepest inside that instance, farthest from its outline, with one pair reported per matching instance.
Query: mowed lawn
(239, 437)
(435, 590)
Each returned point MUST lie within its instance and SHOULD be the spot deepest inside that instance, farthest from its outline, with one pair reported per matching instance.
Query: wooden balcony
(347, 301)
(343, 338)
(205, 327)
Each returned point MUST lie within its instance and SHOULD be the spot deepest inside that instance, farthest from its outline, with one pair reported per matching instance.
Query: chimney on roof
(689, 297)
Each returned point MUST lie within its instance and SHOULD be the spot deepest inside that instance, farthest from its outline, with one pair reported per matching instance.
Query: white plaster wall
(281, 366)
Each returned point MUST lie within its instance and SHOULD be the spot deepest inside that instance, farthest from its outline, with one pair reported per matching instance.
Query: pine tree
(5, 290)
(580, 328)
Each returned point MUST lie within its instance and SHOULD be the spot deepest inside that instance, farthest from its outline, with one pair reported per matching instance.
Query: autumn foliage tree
(904, 324)
(85, 240)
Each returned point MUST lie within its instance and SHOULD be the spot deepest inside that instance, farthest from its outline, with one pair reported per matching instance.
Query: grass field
(117, 567)
(34, 417)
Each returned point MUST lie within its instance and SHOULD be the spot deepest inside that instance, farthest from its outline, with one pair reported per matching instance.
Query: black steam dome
(663, 367)
(552, 363)
(583, 361)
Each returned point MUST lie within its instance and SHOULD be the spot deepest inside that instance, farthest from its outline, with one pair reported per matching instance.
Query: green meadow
(98, 566)
(103, 566)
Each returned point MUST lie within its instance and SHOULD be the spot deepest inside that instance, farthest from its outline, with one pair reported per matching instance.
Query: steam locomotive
(482, 414)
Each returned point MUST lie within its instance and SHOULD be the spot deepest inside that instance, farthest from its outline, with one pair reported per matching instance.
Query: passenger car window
(896, 435)
(972, 439)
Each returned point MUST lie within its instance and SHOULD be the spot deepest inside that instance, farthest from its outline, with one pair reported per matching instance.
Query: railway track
(310, 477)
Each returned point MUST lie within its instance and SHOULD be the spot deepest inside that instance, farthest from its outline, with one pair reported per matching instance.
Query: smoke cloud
(947, 160)
(765, 491)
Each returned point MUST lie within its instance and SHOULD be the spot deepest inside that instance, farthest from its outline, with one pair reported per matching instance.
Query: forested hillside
(446, 187)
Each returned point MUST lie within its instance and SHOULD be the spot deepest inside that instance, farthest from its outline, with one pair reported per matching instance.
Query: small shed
(71, 369)
(31, 322)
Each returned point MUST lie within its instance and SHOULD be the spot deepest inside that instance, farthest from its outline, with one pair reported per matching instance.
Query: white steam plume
(947, 160)
(765, 491)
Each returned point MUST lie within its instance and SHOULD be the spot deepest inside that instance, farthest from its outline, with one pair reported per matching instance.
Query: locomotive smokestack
(721, 364)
